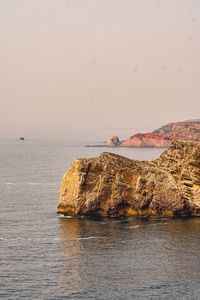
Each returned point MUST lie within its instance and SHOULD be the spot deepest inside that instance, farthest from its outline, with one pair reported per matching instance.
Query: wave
(30, 183)
(41, 183)
(65, 217)
(155, 224)
(12, 183)
(87, 238)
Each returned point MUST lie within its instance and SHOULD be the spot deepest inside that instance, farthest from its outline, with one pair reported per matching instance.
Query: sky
(87, 69)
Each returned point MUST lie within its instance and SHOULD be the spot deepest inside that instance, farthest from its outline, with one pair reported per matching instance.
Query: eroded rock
(114, 141)
(112, 185)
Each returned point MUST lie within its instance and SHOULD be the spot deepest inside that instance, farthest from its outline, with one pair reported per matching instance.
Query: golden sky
(84, 69)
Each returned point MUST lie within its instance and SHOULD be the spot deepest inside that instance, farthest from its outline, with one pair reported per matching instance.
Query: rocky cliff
(162, 137)
(112, 185)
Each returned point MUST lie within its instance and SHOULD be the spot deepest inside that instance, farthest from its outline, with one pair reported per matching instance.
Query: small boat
(21, 138)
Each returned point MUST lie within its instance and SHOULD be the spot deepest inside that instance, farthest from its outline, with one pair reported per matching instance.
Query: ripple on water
(43, 256)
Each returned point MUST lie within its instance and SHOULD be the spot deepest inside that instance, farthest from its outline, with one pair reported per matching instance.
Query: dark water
(43, 256)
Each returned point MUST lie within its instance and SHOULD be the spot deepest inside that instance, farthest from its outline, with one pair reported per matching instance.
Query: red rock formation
(164, 136)
(147, 140)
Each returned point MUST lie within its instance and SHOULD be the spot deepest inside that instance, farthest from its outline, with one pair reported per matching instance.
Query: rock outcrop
(164, 136)
(112, 185)
(114, 141)
(148, 140)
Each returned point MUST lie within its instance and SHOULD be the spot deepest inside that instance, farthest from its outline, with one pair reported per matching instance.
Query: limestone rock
(112, 185)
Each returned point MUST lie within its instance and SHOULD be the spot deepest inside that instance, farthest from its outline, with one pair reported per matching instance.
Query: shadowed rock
(112, 185)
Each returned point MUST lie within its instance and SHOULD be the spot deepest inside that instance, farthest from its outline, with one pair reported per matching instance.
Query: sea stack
(112, 186)
(114, 141)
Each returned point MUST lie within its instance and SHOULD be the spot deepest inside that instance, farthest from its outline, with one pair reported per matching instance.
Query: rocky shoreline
(161, 137)
(113, 186)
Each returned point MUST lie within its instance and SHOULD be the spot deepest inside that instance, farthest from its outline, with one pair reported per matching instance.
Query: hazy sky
(84, 69)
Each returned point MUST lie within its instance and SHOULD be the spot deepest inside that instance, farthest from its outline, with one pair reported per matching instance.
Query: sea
(47, 256)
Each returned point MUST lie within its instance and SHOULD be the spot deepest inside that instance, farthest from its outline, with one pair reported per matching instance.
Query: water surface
(43, 256)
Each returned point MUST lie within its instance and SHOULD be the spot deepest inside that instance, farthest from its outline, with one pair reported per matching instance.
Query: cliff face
(187, 130)
(111, 185)
(164, 136)
(147, 140)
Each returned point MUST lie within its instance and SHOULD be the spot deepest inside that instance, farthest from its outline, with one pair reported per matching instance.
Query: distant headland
(162, 137)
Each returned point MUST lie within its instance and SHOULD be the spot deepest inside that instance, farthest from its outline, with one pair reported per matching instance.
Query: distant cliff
(112, 185)
(185, 131)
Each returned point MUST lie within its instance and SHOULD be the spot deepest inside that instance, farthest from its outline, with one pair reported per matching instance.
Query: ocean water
(45, 256)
